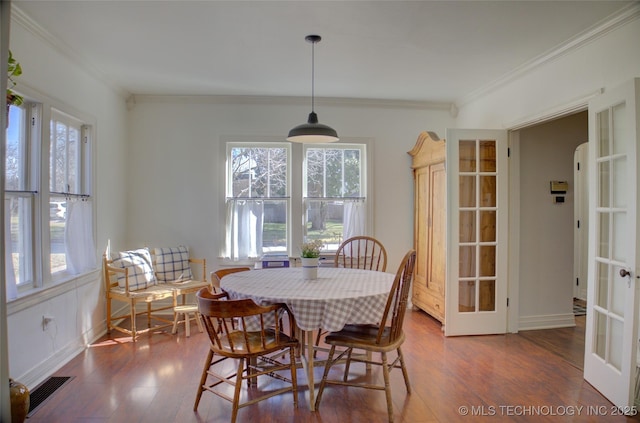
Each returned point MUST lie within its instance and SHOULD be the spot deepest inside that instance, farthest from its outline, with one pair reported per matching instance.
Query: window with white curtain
(334, 192)
(257, 200)
(48, 206)
(260, 196)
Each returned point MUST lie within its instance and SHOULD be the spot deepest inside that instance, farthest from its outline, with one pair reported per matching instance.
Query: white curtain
(78, 237)
(12, 288)
(354, 219)
(244, 229)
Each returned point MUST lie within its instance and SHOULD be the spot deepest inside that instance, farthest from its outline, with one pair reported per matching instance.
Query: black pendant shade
(312, 131)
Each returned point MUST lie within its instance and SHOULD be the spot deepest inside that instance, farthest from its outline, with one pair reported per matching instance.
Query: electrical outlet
(45, 321)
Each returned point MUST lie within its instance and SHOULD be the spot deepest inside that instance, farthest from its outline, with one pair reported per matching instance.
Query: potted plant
(14, 70)
(310, 252)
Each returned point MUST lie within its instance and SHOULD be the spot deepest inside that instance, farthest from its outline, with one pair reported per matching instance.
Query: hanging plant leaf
(14, 70)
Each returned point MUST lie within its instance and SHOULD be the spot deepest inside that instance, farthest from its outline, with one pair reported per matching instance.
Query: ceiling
(428, 51)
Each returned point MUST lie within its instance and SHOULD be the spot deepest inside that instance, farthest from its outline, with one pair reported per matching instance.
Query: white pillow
(172, 264)
(140, 268)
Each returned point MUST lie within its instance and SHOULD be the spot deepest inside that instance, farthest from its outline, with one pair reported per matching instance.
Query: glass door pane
(477, 226)
(612, 246)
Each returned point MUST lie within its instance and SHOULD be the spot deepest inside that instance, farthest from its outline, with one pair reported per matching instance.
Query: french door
(612, 296)
(477, 226)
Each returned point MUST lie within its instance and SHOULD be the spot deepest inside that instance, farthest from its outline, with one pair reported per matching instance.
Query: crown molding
(20, 18)
(289, 101)
(618, 19)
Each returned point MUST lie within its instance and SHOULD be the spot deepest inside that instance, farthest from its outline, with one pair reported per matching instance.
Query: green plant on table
(311, 249)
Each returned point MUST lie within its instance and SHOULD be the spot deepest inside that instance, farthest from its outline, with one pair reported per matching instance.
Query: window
(257, 199)
(19, 203)
(334, 193)
(68, 140)
(48, 210)
(264, 205)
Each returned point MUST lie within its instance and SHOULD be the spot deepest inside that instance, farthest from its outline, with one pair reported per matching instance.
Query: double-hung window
(48, 207)
(268, 213)
(20, 197)
(70, 210)
(334, 192)
(257, 200)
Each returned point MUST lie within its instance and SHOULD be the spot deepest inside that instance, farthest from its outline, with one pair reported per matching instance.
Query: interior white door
(612, 295)
(477, 232)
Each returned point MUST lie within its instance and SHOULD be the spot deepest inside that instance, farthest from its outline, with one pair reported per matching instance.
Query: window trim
(42, 104)
(296, 231)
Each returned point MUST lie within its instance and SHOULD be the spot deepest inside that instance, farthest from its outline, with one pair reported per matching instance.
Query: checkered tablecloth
(338, 297)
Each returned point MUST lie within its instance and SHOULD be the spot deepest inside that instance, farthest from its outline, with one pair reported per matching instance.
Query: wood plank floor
(476, 378)
(567, 343)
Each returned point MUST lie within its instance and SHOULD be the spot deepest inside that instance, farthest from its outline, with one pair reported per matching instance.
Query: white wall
(77, 306)
(564, 83)
(605, 62)
(177, 164)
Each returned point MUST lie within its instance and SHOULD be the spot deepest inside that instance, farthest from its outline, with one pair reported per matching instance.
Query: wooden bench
(159, 299)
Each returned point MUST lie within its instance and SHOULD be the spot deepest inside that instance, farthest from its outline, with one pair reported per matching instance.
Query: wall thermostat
(559, 187)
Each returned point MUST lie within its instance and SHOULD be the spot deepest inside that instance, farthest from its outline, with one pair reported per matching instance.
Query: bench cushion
(138, 262)
(172, 264)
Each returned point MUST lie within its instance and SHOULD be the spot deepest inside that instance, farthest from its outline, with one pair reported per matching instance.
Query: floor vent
(40, 394)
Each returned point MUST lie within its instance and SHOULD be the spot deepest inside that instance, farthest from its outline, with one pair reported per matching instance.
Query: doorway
(548, 247)
(546, 221)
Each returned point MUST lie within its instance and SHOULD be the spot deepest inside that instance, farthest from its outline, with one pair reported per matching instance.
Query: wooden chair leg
(347, 364)
(294, 377)
(387, 386)
(187, 324)
(318, 336)
(404, 371)
(133, 320)
(199, 321)
(108, 314)
(203, 379)
(236, 394)
(174, 329)
(323, 382)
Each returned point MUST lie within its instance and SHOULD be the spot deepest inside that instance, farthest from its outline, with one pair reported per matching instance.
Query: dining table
(339, 296)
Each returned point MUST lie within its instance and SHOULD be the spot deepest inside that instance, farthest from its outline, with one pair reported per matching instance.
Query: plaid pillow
(138, 262)
(172, 264)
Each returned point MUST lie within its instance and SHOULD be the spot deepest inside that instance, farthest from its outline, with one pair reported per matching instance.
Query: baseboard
(548, 321)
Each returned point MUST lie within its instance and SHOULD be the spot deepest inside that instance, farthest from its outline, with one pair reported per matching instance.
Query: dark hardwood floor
(485, 378)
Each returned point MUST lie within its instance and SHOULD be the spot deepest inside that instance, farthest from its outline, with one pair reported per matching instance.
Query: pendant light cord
(313, 78)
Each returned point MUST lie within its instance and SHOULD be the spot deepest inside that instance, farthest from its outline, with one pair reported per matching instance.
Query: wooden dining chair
(382, 338)
(359, 252)
(217, 275)
(259, 351)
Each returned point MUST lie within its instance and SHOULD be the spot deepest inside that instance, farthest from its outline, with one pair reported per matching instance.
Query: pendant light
(312, 131)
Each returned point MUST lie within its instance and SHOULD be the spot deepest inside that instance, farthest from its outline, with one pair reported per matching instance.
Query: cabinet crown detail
(429, 149)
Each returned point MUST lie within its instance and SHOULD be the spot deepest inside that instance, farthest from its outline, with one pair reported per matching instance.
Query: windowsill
(35, 296)
(326, 260)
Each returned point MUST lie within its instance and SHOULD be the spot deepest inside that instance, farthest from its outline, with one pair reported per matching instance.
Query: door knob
(624, 273)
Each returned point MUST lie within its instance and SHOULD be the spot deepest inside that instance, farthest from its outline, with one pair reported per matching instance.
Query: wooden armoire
(429, 231)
